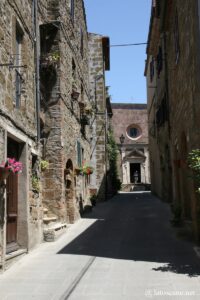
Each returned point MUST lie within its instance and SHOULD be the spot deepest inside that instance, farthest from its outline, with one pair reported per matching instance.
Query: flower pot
(4, 173)
(77, 171)
(88, 171)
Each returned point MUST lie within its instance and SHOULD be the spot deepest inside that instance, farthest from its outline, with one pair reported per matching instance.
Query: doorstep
(14, 256)
(15, 253)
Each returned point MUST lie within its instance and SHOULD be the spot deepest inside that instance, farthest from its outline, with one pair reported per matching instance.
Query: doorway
(13, 151)
(135, 173)
(69, 186)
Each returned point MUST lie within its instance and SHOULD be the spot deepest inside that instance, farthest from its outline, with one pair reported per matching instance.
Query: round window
(134, 132)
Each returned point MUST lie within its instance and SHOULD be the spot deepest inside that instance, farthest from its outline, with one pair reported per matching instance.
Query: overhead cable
(128, 45)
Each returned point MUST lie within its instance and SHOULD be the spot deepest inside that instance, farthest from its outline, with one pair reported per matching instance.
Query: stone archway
(69, 191)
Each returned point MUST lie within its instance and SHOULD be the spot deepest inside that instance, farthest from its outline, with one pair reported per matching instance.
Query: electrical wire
(128, 45)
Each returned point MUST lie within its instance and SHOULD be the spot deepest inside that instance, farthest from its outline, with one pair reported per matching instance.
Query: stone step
(14, 256)
(53, 232)
(135, 187)
(45, 210)
(48, 219)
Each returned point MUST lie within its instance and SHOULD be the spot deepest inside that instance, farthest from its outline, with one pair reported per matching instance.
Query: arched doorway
(69, 191)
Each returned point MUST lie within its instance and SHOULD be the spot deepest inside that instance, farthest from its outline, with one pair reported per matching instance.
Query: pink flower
(12, 165)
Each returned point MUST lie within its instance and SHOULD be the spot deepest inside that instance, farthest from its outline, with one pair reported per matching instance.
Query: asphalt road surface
(125, 249)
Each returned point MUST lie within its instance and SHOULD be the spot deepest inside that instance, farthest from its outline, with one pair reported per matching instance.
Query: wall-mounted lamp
(122, 139)
(75, 95)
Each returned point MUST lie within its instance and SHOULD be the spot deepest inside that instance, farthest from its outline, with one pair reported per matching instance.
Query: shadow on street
(136, 226)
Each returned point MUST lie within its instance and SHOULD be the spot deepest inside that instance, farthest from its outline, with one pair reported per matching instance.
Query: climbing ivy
(112, 151)
(194, 164)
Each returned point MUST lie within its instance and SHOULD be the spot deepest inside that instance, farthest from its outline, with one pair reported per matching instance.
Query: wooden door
(12, 204)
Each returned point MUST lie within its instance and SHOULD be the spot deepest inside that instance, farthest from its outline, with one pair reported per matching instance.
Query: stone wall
(62, 129)
(2, 196)
(98, 95)
(18, 118)
(9, 19)
(127, 114)
(177, 130)
(184, 98)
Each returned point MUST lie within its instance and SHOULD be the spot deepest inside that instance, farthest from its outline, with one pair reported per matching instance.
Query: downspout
(167, 83)
(37, 66)
(106, 175)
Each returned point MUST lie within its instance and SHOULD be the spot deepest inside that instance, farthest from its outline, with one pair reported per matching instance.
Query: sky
(124, 21)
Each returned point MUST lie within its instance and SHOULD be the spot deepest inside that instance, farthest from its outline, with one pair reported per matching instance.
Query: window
(152, 69)
(81, 47)
(162, 112)
(18, 77)
(72, 10)
(176, 38)
(73, 70)
(79, 154)
(134, 132)
(159, 61)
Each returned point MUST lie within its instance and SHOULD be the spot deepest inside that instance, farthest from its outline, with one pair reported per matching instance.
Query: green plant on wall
(35, 183)
(112, 151)
(194, 164)
(55, 56)
(44, 165)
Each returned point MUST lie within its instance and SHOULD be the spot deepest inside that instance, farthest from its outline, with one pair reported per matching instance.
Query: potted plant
(35, 183)
(87, 169)
(44, 164)
(89, 110)
(10, 166)
(49, 60)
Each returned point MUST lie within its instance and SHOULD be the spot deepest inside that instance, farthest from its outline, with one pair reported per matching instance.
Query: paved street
(125, 249)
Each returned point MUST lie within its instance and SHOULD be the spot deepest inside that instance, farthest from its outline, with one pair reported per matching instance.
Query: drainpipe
(106, 175)
(37, 66)
(167, 82)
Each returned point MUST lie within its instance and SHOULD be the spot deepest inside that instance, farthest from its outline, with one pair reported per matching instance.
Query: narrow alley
(124, 249)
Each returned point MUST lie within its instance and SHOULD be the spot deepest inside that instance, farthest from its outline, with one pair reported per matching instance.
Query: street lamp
(122, 138)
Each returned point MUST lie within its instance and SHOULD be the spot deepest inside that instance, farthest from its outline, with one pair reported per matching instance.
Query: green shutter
(79, 158)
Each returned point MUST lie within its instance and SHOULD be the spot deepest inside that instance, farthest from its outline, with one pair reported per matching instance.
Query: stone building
(130, 122)
(21, 209)
(99, 53)
(65, 99)
(172, 71)
(46, 119)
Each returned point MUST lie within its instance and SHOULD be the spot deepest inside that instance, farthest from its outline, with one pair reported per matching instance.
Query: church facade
(130, 128)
